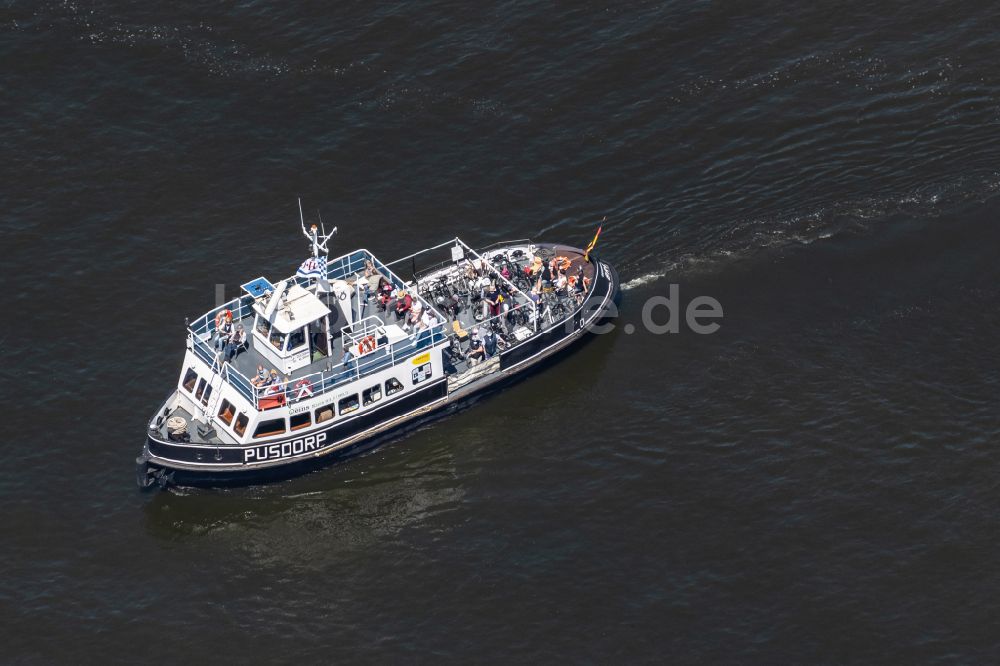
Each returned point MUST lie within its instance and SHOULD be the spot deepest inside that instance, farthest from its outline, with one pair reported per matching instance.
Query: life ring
(367, 344)
(303, 389)
(221, 316)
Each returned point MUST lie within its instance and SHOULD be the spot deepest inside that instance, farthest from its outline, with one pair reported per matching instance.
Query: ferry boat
(327, 367)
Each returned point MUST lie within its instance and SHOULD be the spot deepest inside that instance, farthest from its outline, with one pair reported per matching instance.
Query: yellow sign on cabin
(423, 358)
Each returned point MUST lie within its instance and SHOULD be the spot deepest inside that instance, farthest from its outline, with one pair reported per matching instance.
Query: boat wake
(801, 228)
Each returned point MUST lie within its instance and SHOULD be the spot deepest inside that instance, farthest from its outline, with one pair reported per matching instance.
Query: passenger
(580, 286)
(348, 364)
(224, 331)
(404, 301)
(235, 343)
(384, 293)
(453, 306)
(477, 352)
(494, 298)
(261, 377)
(369, 268)
(546, 276)
(413, 316)
(363, 296)
(490, 343)
(561, 283)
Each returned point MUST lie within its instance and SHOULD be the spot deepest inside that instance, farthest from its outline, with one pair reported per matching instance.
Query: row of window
(204, 391)
(273, 427)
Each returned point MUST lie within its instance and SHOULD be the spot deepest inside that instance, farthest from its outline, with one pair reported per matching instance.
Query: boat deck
(555, 308)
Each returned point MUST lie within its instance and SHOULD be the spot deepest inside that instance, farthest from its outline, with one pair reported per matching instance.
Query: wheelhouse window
(393, 385)
(422, 373)
(190, 379)
(227, 412)
(277, 339)
(201, 389)
(300, 421)
(269, 428)
(263, 326)
(373, 394)
(240, 428)
(324, 413)
(348, 404)
(296, 338)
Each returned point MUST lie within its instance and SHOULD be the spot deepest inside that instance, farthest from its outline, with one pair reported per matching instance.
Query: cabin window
(241, 424)
(190, 378)
(300, 421)
(348, 404)
(393, 385)
(422, 373)
(263, 326)
(269, 427)
(324, 413)
(201, 389)
(296, 338)
(227, 412)
(208, 392)
(374, 394)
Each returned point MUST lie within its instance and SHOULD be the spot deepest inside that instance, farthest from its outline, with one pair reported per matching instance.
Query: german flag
(586, 253)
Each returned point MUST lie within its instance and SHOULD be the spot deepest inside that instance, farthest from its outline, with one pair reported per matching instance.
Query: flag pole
(590, 246)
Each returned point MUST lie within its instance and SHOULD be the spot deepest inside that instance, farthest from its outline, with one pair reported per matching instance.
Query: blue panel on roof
(258, 287)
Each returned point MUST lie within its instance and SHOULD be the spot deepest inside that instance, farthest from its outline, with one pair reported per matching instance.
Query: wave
(746, 237)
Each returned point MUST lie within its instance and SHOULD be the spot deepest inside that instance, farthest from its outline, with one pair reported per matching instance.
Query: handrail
(519, 241)
(323, 381)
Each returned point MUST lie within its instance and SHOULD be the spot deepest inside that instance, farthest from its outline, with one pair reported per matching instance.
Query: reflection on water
(317, 519)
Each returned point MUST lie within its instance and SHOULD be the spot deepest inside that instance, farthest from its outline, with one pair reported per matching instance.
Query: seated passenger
(477, 352)
(403, 304)
(235, 343)
(260, 379)
(224, 330)
(413, 316)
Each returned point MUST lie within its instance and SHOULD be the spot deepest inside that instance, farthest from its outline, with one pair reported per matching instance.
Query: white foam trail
(643, 279)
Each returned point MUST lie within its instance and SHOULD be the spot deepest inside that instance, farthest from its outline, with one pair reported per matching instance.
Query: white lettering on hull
(284, 449)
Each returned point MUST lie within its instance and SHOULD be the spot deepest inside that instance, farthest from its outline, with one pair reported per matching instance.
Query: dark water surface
(816, 482)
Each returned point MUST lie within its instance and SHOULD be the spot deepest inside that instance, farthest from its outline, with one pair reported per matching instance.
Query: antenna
(318, 240)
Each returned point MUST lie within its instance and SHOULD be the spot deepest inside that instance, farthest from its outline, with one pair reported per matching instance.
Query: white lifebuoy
(367, 344)
(303, 389)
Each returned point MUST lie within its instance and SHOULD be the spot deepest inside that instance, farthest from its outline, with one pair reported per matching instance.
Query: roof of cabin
(298, 308)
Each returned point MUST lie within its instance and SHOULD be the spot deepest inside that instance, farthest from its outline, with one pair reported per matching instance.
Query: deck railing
(316, 383)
